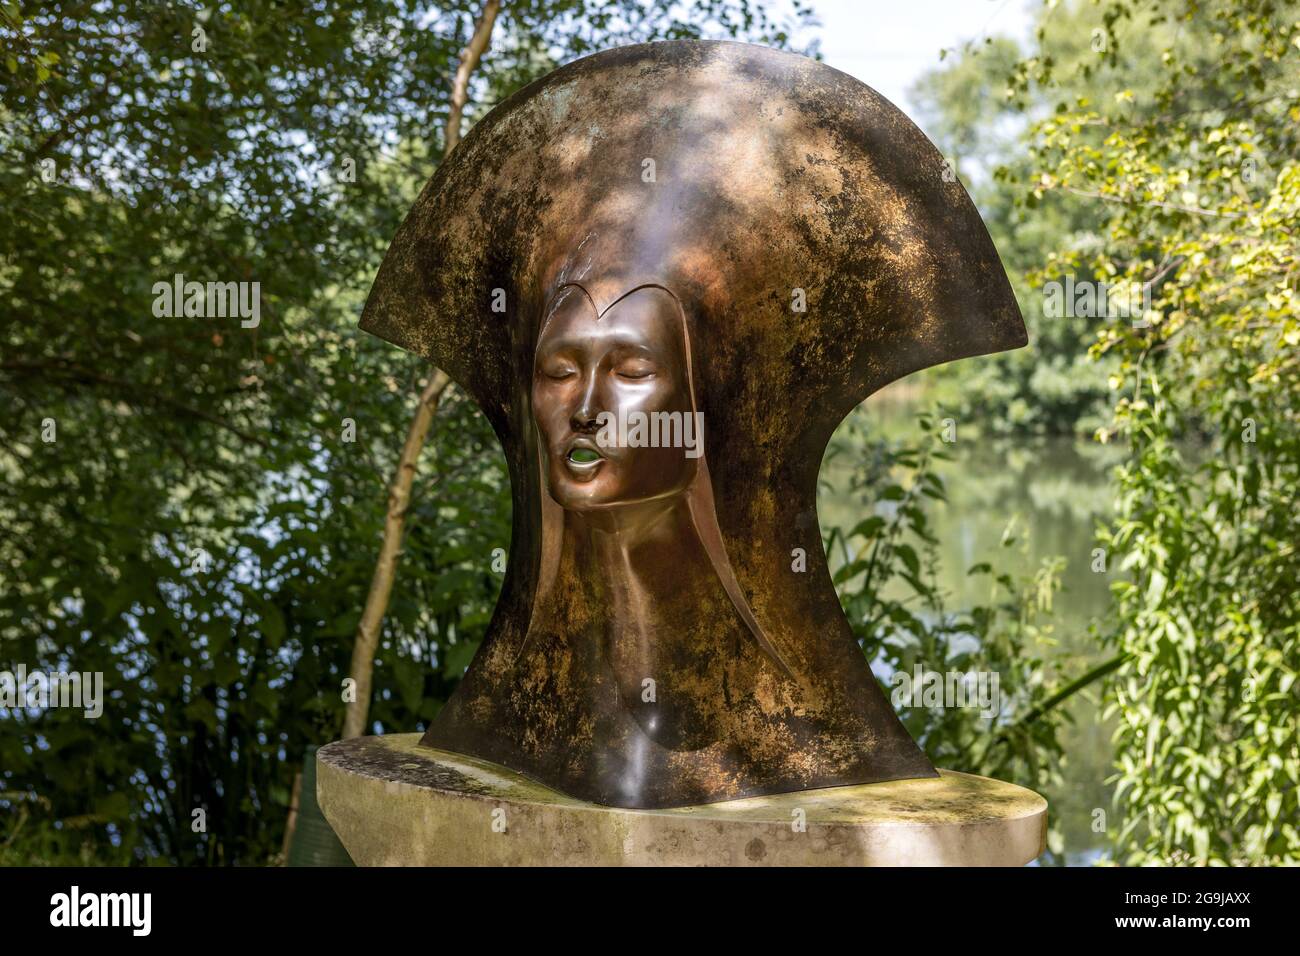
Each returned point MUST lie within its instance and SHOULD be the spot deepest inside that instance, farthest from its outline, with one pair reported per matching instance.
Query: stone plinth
(395, 803)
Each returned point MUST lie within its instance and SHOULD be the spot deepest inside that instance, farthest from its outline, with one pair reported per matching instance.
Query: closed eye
(634, 370)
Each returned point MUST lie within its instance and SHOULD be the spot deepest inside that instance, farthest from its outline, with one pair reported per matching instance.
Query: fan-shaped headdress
(818, 251)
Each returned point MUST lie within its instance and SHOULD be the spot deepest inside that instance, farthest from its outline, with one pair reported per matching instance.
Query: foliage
(887, 579)
(202, 530)
(984, 108)
(1198, 195)
(967, 106)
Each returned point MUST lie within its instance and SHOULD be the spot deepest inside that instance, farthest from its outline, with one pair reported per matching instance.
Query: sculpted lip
(583, 458)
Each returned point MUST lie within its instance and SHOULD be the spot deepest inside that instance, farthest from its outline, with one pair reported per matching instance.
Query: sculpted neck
(663, 615)
(647, 555)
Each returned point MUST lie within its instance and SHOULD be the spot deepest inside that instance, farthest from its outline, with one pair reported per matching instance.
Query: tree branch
(138, 393)
(1174, 207)
(399, 493)
(381, 583)
(469, 60)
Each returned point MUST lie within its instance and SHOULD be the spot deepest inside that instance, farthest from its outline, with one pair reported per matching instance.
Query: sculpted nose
(583, 419)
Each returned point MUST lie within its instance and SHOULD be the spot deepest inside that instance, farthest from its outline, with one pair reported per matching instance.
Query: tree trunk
(469, 59)
(292, 823)
(399, 489)
(381, 585)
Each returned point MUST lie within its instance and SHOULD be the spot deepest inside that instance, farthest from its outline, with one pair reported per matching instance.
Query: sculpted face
(592, 372)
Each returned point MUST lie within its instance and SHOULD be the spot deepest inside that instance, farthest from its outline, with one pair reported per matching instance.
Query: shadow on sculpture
(666, 273)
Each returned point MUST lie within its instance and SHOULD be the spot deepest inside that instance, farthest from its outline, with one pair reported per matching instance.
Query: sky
(888, 44)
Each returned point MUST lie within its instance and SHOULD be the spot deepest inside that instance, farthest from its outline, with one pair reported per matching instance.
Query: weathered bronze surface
(654, 217)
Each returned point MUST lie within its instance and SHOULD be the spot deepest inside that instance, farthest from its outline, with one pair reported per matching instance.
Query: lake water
(1053, 491)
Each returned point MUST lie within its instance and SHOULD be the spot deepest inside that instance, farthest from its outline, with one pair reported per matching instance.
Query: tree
(1195, 186)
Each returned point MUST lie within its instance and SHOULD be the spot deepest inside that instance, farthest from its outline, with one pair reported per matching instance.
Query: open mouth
(582, 459)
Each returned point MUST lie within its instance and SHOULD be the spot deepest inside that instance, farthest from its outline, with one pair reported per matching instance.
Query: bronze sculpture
(733, 246)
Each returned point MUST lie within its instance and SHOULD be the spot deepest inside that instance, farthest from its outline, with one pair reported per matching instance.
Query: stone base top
(395, 803)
